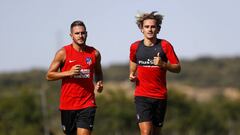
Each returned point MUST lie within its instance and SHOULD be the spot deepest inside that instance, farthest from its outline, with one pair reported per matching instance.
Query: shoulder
(90, 48)
(164, 42)
(97, 55)
(66, 47)
(135, 44)
(60, 55)
(166, 45)
(93, 50)
(61, 51)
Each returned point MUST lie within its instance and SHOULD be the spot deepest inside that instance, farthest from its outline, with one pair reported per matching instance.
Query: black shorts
(73, 119)
(150, 109)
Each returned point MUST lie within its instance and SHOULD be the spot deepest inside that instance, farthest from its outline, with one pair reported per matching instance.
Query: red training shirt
(78, 92)
(151, 79)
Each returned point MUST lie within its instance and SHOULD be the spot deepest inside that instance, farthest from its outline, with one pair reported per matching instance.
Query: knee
(145, 132)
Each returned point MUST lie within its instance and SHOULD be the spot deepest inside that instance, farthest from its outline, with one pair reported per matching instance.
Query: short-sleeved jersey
(77, 92)
(151, 79)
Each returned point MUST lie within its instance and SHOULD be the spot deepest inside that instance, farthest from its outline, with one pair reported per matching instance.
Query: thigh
(160, 107)
(68, 121)
(85, 118)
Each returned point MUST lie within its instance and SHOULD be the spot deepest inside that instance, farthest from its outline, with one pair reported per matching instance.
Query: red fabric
(133, 50)
(151, 80)
(78, 92)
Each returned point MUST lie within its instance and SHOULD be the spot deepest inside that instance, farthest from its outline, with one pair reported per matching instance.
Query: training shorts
(150, 109)
(73, 119)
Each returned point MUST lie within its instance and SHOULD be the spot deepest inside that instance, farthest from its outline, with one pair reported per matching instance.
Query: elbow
(99, 77)
(47, 77)
(178, 69)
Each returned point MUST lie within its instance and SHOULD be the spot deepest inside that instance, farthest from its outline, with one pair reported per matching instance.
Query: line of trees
(21, 106)
(22, 114)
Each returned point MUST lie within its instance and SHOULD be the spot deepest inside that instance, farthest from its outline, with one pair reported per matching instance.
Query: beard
(80, 42)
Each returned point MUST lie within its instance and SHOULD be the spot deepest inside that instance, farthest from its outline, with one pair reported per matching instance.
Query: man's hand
(75, 70)
(158, 61)
(99, 86)
(132, 77)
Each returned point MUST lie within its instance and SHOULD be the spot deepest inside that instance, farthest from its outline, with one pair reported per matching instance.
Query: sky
(31, 31)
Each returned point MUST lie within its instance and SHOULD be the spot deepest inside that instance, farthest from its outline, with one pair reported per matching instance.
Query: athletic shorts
(150, 109)
(73, 119)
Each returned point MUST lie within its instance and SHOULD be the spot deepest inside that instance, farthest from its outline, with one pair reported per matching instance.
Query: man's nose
(150, 29)
(81, 35)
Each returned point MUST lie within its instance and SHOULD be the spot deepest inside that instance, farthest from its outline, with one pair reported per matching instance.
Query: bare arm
(53, 71)
(98, 73)
(132, 71)
(175, 68)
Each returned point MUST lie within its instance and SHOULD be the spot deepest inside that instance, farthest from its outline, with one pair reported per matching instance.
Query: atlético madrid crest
(88, 60)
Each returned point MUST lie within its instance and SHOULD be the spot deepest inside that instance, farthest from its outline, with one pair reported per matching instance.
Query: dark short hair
(77, 23)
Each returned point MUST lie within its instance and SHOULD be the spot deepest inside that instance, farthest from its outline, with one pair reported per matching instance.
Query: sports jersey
(151, 79)
(77, 92)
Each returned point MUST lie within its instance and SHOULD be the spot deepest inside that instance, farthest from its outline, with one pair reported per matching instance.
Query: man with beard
(75, 64)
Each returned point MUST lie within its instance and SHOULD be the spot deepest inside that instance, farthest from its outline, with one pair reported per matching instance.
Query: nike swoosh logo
(71, 61)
